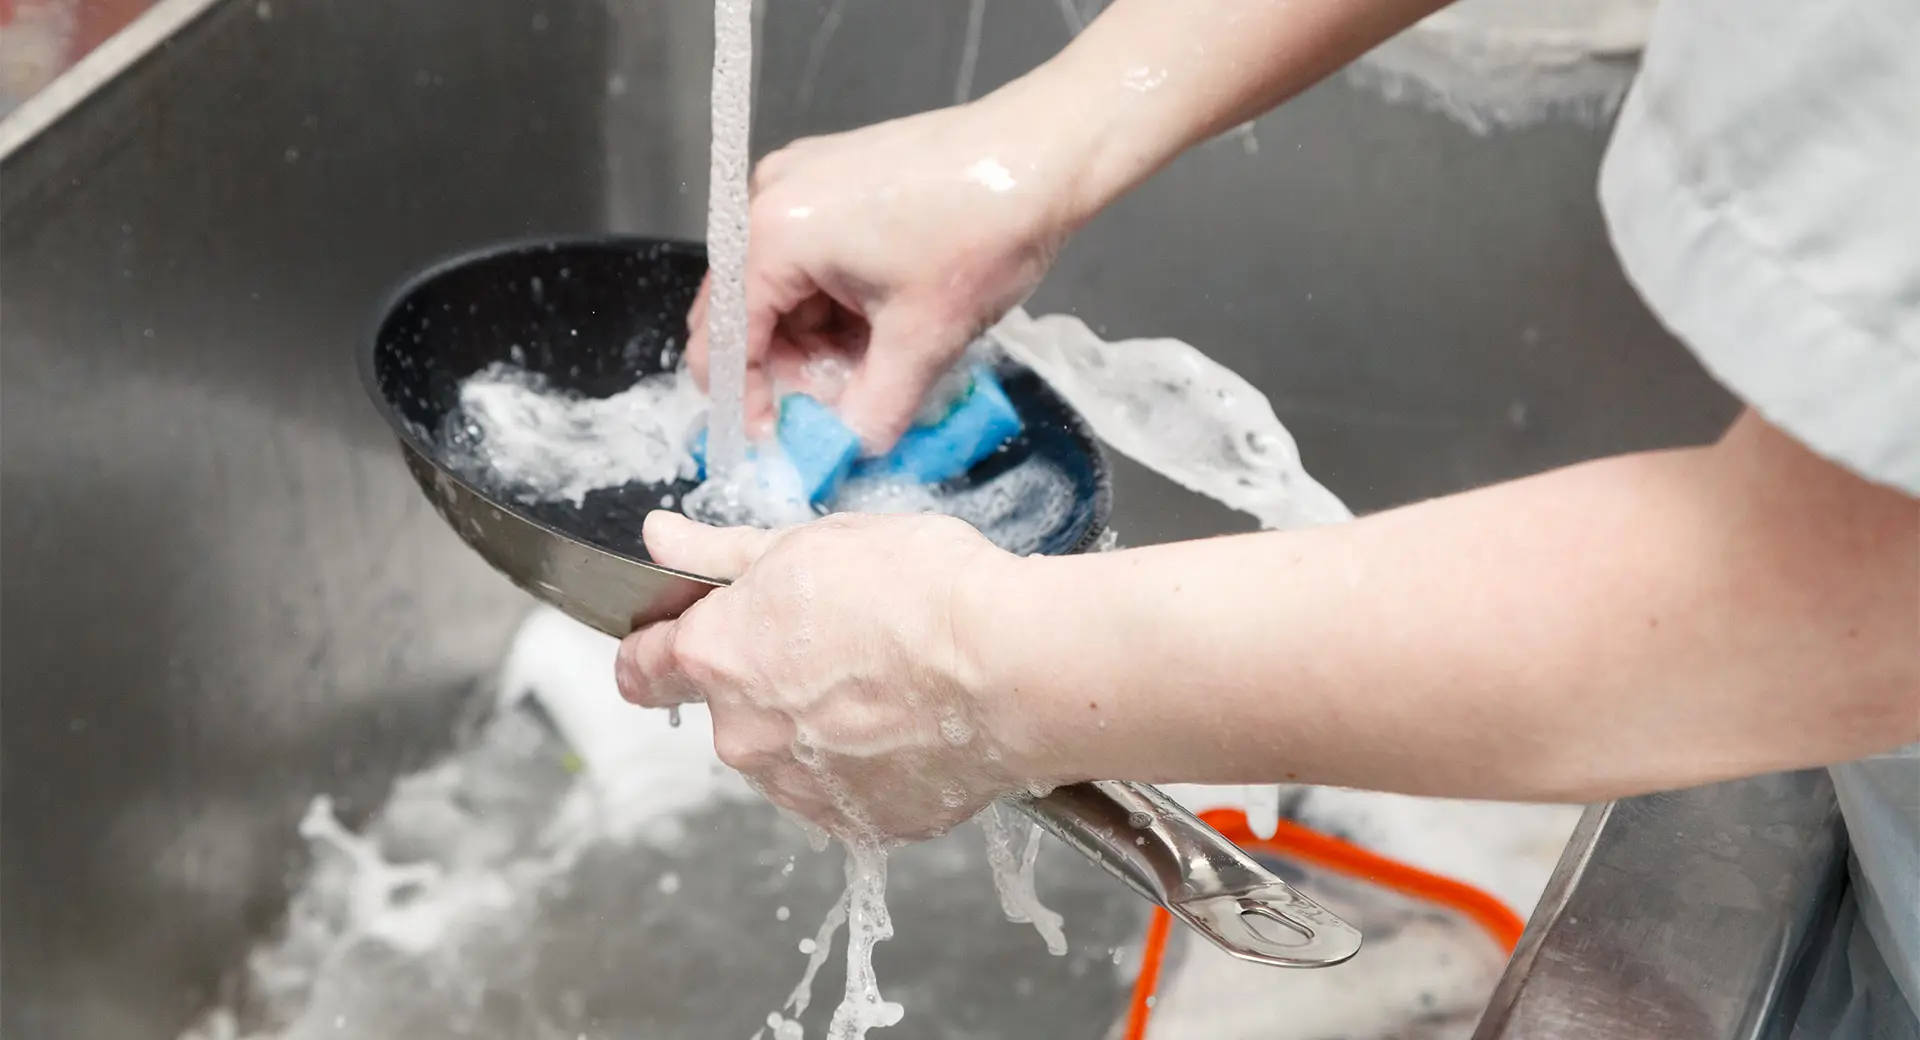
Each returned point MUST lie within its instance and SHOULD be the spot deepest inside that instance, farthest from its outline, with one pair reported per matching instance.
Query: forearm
(1150, 78)
(1640, 623)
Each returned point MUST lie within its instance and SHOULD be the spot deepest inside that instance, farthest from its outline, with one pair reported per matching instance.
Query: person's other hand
(835, 667)
(877, 255)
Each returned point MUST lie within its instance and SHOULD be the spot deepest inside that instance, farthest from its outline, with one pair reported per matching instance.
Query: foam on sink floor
(1419, 976)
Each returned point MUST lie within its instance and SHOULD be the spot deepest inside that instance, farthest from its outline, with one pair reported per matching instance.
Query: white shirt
(1763, 193)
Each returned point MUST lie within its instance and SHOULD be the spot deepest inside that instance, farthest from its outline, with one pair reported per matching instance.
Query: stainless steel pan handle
(1173, 858)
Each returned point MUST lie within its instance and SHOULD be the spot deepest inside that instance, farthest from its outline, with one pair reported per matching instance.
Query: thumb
(721, 553)
(902, 361)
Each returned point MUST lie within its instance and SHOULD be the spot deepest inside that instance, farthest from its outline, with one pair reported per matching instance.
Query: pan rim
(369, 345)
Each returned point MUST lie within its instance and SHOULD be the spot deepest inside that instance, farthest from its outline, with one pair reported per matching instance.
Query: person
(1644, 622)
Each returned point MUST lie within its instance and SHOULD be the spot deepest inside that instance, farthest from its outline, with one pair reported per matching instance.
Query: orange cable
(1140, 1008)
(1494, 917)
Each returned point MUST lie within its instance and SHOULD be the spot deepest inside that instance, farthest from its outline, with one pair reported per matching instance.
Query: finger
(722, 553)
(759, 406)
(645, 672)
(775, 166)
(772, 293)
(811, 315)
(902, 361)
(817, 364)
(768, 171)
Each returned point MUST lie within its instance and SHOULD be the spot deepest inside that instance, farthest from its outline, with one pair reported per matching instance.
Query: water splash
(1013, 879)
(817, 950)
(727, 232)
(817, 51)
(970, 52)
(1263, 809)
(868, 924)
(1169, 407)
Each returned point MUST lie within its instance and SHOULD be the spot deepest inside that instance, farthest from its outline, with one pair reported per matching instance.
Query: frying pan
(595, 315)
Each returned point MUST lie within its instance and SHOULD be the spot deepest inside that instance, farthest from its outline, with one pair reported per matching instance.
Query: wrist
(1093, 140)
(1002, 668)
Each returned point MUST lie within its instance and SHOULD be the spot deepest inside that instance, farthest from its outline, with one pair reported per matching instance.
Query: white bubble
(955, 730)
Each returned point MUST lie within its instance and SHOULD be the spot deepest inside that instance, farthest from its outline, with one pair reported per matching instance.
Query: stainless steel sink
(222, 594)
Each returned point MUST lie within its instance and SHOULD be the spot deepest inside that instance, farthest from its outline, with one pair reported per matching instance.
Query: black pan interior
(593, 316)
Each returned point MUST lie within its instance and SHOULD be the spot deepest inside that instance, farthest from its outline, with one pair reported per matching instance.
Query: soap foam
(1176, 411)
(1013, 879)
(516, 433)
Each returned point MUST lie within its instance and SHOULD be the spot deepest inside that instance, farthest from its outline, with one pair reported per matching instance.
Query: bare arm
(1151, 78)
(1638, 623)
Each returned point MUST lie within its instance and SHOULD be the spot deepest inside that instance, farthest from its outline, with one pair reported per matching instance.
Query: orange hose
(1140, 1008)
(1498, 920)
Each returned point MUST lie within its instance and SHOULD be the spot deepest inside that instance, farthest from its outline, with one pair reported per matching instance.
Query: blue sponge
(814, 441)
(979, 421)
(820, 448)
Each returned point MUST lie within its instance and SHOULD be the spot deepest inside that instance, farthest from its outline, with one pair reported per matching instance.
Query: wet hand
(836, 667)
(876, 256)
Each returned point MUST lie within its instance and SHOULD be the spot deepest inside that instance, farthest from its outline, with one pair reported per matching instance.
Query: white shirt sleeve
(1763, 194)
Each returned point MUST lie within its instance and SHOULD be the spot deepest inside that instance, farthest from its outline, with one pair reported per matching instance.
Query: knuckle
(839, 529)
(944, 526)
(695, 653)
(765, 174)
(735, 751)
(774, 166)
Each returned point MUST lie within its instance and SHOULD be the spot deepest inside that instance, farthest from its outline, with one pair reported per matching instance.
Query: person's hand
(876, 256)
(835, 668)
